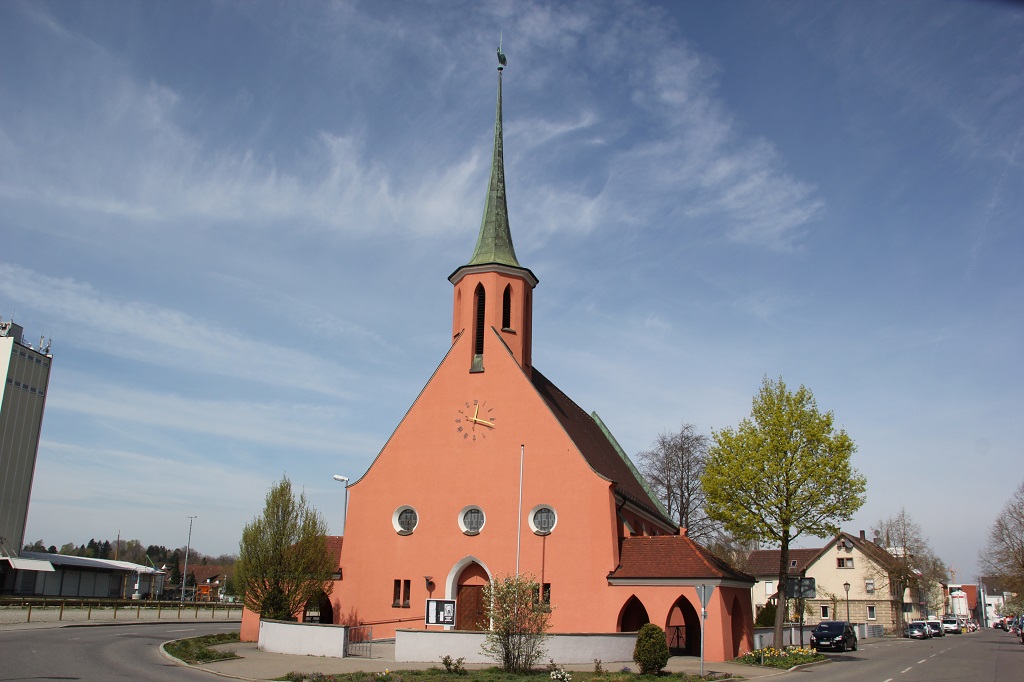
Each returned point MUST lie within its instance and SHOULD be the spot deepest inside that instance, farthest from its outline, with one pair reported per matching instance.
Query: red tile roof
(204, 571)
(594, 443)
(334, 543)
(672, 556)
(765, 562)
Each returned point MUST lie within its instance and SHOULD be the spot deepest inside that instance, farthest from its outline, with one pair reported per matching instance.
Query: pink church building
(495, 471)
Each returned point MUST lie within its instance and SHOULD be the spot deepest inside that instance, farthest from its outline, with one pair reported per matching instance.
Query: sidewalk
(261, 665)
(257, 665)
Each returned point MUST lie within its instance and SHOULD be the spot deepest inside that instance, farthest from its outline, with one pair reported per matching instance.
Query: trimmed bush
(651, 651)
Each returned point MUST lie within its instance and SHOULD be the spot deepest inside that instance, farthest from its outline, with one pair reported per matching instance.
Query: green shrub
(766, 618)
(651, 651)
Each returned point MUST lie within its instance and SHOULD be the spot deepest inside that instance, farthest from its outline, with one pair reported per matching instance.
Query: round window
(405, 520)
(471, 520)
(543, 519)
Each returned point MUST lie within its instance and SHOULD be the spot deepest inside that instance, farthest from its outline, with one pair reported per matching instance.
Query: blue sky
(236, 221)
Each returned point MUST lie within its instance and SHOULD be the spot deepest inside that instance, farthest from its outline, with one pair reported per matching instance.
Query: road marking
(923, 660)
(889, 680)
(182, 630)
(907, 670)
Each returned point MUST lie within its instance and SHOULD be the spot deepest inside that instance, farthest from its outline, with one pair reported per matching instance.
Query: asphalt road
(99, 652)
(983, 656)
(131, 652)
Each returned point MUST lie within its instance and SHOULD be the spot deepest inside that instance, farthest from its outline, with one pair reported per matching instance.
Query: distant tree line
(135, 552)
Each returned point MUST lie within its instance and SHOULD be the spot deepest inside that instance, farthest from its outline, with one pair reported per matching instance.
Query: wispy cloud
(146, 333)
(292, 425)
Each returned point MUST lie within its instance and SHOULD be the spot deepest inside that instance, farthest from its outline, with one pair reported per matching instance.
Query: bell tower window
(478, 328)
(506, 308)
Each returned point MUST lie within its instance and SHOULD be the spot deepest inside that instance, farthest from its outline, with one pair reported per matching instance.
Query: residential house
(763, 564)
(854, 580)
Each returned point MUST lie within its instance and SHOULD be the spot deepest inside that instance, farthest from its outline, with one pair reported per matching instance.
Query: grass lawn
(196, 649)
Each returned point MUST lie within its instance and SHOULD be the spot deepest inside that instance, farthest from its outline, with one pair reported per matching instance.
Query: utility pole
(188, 546)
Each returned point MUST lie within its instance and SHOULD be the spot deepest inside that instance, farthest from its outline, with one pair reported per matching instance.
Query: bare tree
(914, 565)
(1003, 556)
(674, 466)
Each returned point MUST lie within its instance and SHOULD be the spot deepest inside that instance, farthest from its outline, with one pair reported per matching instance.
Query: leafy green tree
(283, 559)
(519, 623)
(782, 473)
(175, 577)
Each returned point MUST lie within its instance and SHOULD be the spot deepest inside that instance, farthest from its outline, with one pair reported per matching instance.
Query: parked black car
(835, 635)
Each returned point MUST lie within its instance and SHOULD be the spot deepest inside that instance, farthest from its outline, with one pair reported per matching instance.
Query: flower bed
(780, 658)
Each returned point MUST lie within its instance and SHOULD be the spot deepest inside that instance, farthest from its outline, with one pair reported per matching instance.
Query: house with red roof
(854, 580)
(494, 471)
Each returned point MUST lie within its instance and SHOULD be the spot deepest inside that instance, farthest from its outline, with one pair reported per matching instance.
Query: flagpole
(519, 523)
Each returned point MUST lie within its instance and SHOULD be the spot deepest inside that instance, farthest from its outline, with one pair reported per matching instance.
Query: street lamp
(846, 586)
(343, 479)
(188, 546)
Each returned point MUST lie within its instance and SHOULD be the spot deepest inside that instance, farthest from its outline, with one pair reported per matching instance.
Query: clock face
(475, 420)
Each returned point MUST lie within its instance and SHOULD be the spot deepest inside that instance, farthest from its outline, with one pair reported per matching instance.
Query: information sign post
(704, 592)
(440, 612)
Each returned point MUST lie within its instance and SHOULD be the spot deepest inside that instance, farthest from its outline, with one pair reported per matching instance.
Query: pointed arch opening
(457, 322)
(506, 308)
(478, 328)
(633, 615)
(318, 610)
(469, 598)
(738, 619)
(682, 629)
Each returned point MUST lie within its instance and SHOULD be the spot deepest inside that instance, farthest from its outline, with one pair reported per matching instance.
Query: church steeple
(494, 243)
(493, 292)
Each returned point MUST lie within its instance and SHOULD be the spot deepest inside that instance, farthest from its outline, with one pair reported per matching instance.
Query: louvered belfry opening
(506, 308)
(478, 327)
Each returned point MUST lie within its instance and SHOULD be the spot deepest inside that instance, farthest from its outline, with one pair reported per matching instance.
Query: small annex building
(495, 471)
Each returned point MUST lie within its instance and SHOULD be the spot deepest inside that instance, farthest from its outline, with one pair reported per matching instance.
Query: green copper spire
(494, 244)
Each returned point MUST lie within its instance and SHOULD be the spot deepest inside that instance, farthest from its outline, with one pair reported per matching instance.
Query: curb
(183, 664)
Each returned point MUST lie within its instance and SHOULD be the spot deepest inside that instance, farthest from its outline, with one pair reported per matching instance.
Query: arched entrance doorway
(683, 629)
(469, 598)
(737, 616)
(318, 610)
(633, 615)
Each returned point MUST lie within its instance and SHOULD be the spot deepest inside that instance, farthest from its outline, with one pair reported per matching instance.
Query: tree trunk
(780, 604)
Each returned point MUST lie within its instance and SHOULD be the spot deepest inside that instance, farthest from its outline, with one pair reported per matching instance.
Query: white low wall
(431, 645)
(304, 639)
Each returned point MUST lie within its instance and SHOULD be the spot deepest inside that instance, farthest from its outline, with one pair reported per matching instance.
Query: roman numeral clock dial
(474, 420)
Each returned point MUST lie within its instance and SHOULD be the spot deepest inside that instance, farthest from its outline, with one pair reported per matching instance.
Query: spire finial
(502, 61)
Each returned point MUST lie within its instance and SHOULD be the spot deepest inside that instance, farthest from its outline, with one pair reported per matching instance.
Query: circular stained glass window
(473, 520)
(543, 520)
(405, 520)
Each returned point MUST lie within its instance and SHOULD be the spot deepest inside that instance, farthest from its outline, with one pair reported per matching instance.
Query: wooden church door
(469, 598)
(469, 608)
